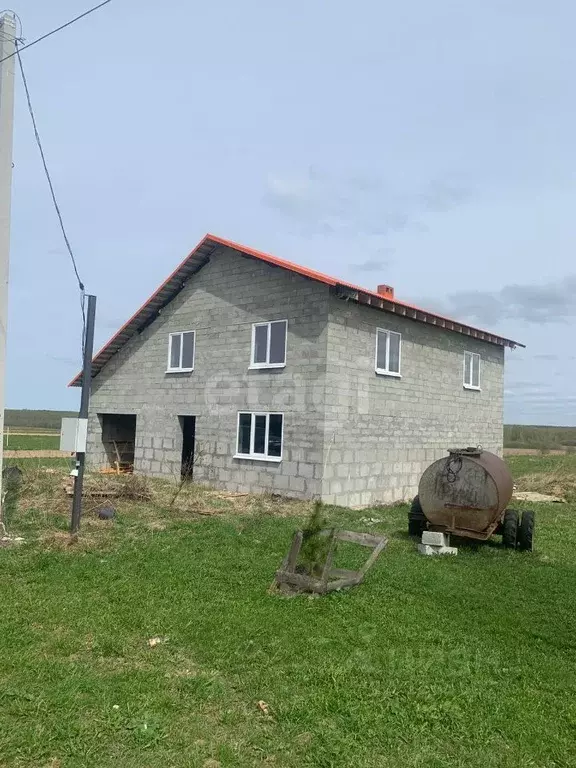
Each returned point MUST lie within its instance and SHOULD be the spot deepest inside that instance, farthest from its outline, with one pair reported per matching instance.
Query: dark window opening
(244, 427)
(188, 427)
(275, 435)
(119, 440)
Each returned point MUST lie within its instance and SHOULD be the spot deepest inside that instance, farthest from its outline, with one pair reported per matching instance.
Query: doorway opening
(188, 427)
(119, 440)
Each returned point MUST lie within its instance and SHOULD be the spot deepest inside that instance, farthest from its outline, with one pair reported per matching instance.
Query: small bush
(314, 547)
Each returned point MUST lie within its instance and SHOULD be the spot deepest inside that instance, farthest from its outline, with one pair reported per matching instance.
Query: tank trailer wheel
(416, 519)
(510, 529)
(526, 531)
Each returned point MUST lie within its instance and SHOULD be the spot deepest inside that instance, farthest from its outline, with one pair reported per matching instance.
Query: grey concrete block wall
(381, 432)
(351, 436)
(220, 303)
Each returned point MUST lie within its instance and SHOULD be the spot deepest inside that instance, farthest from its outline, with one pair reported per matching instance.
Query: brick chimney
(386, 291)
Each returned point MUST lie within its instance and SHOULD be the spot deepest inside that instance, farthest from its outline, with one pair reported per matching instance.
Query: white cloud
(552, 302)
(356, 204)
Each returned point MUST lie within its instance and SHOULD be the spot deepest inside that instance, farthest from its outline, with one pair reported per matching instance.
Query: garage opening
(119, 440)
(188, 426)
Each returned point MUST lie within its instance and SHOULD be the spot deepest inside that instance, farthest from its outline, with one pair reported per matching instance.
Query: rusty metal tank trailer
(466, 494)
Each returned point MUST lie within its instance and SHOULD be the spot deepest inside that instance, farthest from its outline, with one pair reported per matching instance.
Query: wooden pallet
(289, 579)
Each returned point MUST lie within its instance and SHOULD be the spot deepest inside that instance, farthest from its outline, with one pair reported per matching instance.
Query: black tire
(526, 531)
(510, 529)
(416, 518)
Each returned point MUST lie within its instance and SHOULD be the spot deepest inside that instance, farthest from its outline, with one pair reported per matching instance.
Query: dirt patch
(560, 484)
(539, 497)
(47, 433)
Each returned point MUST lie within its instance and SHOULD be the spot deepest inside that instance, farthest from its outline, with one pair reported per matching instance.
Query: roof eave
(414, 313)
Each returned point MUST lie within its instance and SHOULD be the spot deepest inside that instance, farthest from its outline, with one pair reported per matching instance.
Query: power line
(54, 200)
(47, 172)
(53, 32)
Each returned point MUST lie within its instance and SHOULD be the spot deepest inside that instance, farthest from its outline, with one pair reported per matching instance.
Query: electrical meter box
(73, 435)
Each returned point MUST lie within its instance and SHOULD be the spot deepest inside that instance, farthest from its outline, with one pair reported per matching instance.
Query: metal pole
(83, 415)
(7, 47)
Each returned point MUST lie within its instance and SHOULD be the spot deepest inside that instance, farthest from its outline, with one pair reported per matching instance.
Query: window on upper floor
(471, 370)
(388, 352)
(269, 344)
(260, 436)
(181, 348)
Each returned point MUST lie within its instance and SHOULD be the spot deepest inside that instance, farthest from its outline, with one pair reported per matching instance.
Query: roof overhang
(420, 315)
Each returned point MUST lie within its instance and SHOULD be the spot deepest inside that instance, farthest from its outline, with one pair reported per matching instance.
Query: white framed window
(260, 436)
(269, 344)
(388, 352)
(471, 370)
(181, 351)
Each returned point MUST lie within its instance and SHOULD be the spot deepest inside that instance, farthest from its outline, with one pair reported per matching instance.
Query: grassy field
(539, 437)
(29, 442)
(555, 475)
(36, 421)
(466, 661)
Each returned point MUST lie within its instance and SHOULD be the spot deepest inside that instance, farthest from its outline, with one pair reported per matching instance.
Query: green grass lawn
(17, 442)
(467, 661)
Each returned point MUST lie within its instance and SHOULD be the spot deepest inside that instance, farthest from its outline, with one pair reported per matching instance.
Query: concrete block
(281, 482)
(296, 484)
(436, 538)
(305, 470)
(290, 468)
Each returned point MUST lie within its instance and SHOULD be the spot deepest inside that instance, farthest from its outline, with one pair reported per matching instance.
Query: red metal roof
(201, 254)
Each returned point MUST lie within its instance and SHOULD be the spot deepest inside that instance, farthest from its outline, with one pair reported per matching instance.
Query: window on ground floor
(260, 435)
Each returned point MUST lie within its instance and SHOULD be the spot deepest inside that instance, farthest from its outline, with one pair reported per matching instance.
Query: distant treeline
(544, 438)
(25, 419)
(515, 435)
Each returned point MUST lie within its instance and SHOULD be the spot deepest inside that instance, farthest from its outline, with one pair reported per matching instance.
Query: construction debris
(534, 496)
(436, 543)
(154, 641)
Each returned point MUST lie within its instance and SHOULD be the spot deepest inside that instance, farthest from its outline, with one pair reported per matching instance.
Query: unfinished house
(251, 373)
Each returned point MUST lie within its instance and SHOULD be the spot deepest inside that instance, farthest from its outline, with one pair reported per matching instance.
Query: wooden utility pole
(83, 415)
(7, 48)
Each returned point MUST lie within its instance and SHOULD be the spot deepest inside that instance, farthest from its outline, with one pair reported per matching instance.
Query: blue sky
(425, 145)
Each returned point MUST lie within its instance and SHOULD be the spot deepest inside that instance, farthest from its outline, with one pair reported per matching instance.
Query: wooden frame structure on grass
(288, 578)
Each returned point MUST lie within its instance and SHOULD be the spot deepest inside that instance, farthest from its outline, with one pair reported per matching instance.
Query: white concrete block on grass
(436, 543)
(427, 549)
